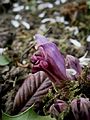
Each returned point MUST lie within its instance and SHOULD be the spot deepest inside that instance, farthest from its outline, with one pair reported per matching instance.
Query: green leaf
(4, 60)
(29, 114)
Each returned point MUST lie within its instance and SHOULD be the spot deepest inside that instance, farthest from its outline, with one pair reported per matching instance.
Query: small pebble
(88, 38)
(15, 23)
(25, 24)
(76, 43)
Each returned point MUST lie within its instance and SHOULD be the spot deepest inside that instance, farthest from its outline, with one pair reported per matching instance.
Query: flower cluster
(80, 108)
(50, 60)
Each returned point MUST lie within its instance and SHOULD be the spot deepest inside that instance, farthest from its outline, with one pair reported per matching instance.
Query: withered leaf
(32, 91)
(72, 9)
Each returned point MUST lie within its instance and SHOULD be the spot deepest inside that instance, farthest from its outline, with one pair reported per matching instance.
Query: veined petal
(50, 55)
(41, 40)
(58, 107)
(73, 62)
(81, 108)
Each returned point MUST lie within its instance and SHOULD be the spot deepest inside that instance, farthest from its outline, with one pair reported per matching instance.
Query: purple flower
(73, 63)
(81, 108)
(49, 59)
(58, 107)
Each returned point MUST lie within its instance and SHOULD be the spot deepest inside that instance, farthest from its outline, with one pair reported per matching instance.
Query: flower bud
(81, 108)
(58, 107)
(49, 60)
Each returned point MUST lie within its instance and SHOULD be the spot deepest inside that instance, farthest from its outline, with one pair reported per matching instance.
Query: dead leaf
(71, 10)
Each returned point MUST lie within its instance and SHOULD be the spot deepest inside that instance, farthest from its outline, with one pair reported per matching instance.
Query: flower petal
(80, 108)
(40, 39)
(58, 107)
(50, 55)
(73, 62)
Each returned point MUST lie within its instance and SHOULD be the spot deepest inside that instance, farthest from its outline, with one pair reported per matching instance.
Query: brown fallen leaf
(71, 10)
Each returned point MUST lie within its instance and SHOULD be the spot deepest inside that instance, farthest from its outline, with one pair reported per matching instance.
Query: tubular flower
(81, 108)
(73, 62)
(58, 107)
(49, 59)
